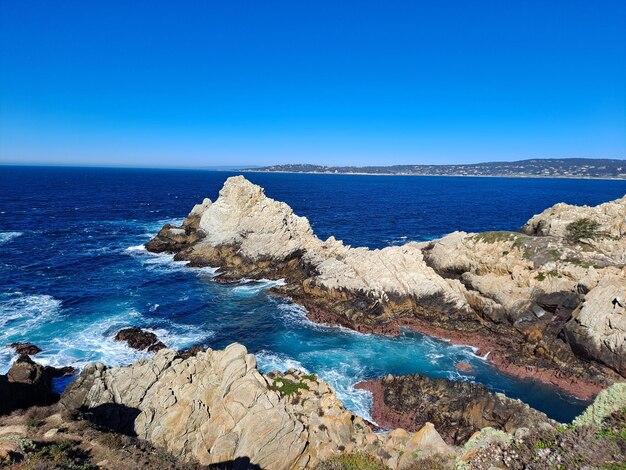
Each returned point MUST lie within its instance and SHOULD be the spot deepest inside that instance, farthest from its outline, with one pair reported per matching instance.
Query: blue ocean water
(73, 270)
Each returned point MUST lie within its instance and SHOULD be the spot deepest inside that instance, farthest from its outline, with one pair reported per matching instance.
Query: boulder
(140, 339)
(28, 384)
(597, 329)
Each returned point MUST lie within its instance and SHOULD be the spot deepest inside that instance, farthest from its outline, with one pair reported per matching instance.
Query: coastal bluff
(215, 407)
(546, 302)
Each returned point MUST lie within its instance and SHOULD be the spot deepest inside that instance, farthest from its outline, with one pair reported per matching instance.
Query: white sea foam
(182, 336)
(6, 237)
(357, 401)
(20, 312)
(136, 249)
(254, 286)
(268, 361)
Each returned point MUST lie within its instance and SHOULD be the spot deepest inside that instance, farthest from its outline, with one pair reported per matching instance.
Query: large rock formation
(456, 409)
(216, 407)
(28, 384)
(508, 293)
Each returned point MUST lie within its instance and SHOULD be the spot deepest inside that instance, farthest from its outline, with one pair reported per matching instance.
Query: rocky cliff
(526, 298)
(181, 411)
(215, 407)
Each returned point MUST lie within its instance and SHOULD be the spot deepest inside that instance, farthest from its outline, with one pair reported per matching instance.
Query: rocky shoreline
(456, 409)
(538, 301)
(213, 409)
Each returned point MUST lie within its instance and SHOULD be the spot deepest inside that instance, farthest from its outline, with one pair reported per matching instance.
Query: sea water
(73, 270)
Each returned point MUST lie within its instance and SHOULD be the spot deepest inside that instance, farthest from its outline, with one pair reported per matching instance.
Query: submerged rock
(457, 409)
(140, 339)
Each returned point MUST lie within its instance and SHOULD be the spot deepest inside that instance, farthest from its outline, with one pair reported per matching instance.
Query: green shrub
(287, 387)
(355, 461)
(582, 228)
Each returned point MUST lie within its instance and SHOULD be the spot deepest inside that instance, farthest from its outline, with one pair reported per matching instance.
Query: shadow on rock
(240, 463)
(114, 417)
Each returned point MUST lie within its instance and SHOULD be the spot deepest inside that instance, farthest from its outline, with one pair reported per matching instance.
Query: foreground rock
(28, 384)
(516, 296)
(140, 339)
(214, 410)
(216, 407)
(457, 409)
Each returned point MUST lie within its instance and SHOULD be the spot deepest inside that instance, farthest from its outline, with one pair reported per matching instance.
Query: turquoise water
(73, 270)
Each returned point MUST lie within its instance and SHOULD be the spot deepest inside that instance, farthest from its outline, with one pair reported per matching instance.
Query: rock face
(28, 384)
(598, 328)
(216, 407)
(610, 216)
(510, 294)
(457, 409)
(140, 339)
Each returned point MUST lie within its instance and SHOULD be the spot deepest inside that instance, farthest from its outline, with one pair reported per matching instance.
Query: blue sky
(202, 83)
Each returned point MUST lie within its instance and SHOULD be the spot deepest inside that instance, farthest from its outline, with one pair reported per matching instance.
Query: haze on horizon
(199, 84)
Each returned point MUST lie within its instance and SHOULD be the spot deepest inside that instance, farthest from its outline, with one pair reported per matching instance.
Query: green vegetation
(310, 377)
(579, 262)
(499, 236)
(540, 276)
(355, 461)
(33, 422)
(64, 455)
(287, 387)
(599, 443)
(581, 229)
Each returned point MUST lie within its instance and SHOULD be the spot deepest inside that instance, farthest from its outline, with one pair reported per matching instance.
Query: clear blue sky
(200, 83)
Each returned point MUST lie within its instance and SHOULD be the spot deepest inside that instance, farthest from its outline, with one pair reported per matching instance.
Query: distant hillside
(549, 167)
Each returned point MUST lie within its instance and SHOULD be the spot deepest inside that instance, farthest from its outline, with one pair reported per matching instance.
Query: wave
(6, 237)
(20, 313)
(295, 315)
(165, 262)
(269, 361)
(255, 286)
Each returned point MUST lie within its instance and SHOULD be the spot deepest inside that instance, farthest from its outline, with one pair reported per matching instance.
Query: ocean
(73, 270)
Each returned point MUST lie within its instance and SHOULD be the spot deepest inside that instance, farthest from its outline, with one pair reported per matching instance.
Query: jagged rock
(507, 293)
(140, 339)
(28, 384)
(598, 328)
(216, 407)
(25, 348)
(611, 217)
(457, 409)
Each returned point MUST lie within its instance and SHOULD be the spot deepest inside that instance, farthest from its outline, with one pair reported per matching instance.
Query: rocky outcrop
(216, 407)
(597, 328)
(28, 384)
(457, 409)
(139, 339)
(508, 293)
(28, 349)
(610, 216)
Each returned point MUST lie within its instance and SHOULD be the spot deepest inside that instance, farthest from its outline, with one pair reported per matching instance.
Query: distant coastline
(606, 178)
(569, 168)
